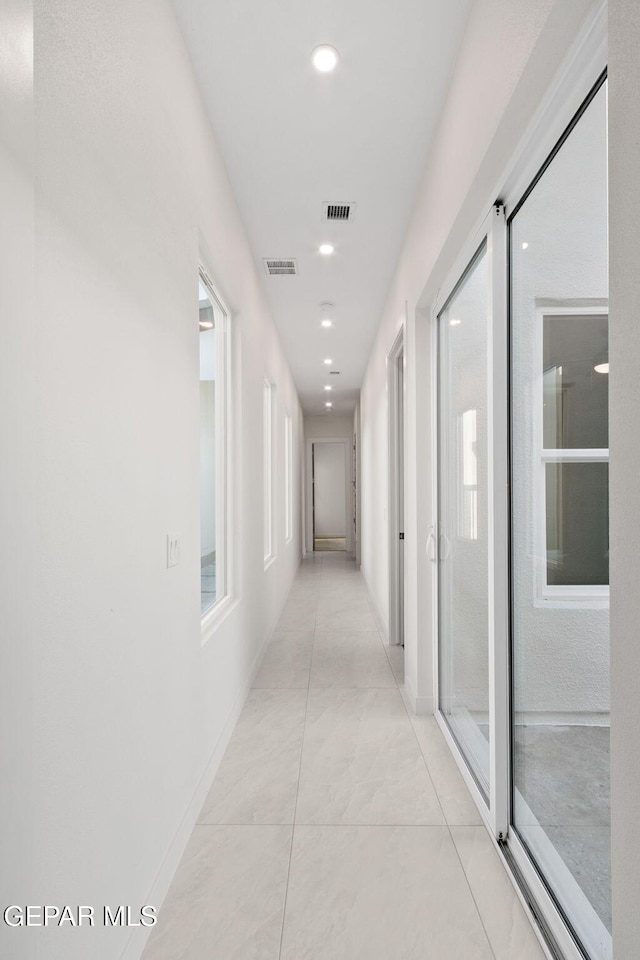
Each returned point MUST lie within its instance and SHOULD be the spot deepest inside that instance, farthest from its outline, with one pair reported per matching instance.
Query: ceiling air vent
(343, 212)
(334, 373)
(281, 268)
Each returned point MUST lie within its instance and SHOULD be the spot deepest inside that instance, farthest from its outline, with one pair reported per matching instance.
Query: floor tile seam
(295, 805)
(385, 647)
(424, 759)
(469, 888)
(376, 826)
(339, 686)
(251, 826)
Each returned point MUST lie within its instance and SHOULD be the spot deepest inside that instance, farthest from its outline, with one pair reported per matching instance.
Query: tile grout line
(295, 806)
(447, 825)
(475, 902)
(427, 770)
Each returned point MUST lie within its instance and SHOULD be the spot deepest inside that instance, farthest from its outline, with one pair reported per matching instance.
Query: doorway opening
(329, 471)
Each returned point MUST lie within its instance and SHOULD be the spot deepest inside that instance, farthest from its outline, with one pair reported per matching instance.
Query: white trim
(492, 237)
(498, 523)
(269, 461)
(346, 441)
(396, 472)
(378, 616)
(465, 770)
(288, 478)
(592, 934)
(548, 595)
(224, 464)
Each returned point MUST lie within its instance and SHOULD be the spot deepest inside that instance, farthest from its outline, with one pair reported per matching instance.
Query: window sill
(214, 617)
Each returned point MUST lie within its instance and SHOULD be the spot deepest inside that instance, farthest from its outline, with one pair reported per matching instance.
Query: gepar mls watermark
(79, 916)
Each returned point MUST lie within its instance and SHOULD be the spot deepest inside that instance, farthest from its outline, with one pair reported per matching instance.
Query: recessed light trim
(326, 323)
(326, 249)
(328, 404)
(328, 362)
(328, 388)
(325, 58)
(525, 245)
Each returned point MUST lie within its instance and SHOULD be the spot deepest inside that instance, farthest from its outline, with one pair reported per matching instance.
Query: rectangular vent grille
(343, 212)
(334, 373)
(281, 268)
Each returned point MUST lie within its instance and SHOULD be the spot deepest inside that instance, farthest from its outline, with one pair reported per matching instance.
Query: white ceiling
(292, 139)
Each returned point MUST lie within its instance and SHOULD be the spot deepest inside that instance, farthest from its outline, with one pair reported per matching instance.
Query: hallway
(338, 825)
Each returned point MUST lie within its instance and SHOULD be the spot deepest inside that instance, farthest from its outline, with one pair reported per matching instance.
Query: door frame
(346, 442)
(495, 809)
(396, 491)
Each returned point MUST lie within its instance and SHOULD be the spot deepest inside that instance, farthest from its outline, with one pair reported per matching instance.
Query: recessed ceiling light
(602, 367)
(328, 362)
(525, 245)
(328, 388)
(454, 323)
(206, 324)
(328, 404)
(325, 58)
(326, 249)
(326, 323)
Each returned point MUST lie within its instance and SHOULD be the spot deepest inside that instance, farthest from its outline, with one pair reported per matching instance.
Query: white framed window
(572, 441)
(288, 467)
(213, 322)
(269, 511)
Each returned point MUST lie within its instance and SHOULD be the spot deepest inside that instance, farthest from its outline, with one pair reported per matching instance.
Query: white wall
(328, 426)
(509, 54)
(624, 218)
(117, 711)
(19, 430)
(329, 489)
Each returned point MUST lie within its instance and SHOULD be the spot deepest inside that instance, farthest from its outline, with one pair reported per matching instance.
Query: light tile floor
(338, 827)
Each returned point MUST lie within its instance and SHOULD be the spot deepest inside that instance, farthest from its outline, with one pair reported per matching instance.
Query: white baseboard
(381, 623)
(136, 943)
(420, 706)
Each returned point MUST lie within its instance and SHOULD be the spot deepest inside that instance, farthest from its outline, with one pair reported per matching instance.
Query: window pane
(576, 390)
(577, 501)
(207, 452)
(560, 646)
(463, 500)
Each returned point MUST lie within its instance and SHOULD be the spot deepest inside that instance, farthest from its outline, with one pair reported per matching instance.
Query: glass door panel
(560, 551)
(463, 545)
